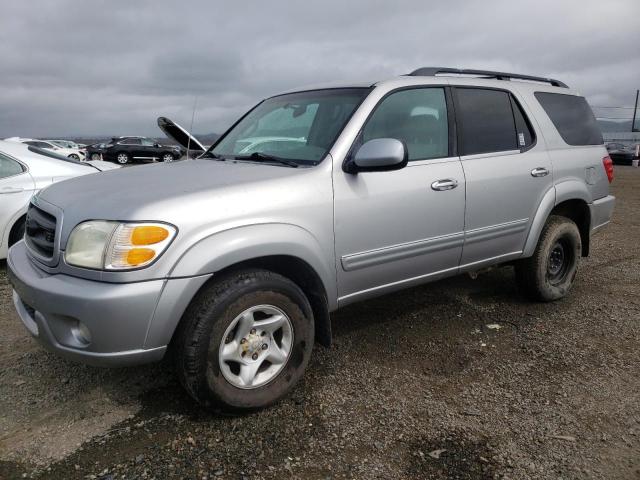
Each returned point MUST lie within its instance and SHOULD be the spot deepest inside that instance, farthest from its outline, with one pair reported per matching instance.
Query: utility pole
(635, 110)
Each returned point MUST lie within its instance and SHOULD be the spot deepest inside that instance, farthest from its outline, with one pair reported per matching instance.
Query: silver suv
(312, 200)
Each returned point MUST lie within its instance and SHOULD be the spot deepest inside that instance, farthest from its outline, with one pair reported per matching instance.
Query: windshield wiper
(210, 154)
(263, 157)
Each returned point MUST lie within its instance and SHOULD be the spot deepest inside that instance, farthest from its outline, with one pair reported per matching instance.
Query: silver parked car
(235, 260)
(24, 170)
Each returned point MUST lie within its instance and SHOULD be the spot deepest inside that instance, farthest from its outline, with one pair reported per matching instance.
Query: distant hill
(615, 126)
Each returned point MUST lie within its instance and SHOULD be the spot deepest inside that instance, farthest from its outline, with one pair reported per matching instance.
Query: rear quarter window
(572, 117)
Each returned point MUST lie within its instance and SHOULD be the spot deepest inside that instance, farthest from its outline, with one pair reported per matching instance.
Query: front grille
(40, 231)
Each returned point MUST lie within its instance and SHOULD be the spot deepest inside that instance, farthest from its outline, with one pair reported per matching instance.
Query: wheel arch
(573, 206)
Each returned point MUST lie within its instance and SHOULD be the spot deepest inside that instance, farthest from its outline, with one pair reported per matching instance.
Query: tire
(96, 156)
(123, 158)
(74, 156)
(209, 321)
(168, 157)
(549, 274)
(17, 231)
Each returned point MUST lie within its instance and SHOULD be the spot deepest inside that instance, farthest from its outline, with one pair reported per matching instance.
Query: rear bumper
(601, 211)
(127, 323)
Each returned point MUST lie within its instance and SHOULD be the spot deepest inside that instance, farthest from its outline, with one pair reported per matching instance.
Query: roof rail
(433, 71)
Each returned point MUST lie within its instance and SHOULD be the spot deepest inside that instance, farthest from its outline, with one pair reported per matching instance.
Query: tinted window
(148, 143)
(418, 117)
(525, 134)
(485, 120)
(9, 167)
(130, 141)
(572, 117)
(34, 143)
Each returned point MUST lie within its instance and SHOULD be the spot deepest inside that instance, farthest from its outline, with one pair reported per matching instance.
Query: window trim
(451, 124)
(512, 98)
(25, 167)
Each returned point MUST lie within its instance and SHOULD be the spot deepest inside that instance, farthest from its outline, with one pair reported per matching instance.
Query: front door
(397, 228)
(507, 173)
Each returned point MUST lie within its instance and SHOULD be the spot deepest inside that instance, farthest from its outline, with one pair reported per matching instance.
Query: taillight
(608, 167)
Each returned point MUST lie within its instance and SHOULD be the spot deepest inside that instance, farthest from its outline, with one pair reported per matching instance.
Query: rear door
(16, 188)
(507, 173)
(397, 228)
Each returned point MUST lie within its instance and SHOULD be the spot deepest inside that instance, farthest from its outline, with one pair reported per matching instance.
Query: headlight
(108, 245)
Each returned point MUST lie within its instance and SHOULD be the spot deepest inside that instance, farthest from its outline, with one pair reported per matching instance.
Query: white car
(25, 170)
(64, 143)
(74, 153)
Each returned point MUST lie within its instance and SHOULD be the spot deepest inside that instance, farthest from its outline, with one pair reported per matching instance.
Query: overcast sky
(74, 68)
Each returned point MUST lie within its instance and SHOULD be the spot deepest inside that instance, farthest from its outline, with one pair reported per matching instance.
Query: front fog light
(81, 333)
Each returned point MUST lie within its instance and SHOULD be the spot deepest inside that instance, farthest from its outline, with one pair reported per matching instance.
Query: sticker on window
(521, 140)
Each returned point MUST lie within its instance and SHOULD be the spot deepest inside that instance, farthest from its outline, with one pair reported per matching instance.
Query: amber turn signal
(136, 256)
(148, 235)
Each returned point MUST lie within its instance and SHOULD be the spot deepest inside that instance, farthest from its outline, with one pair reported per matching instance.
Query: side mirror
(378, 155)
(157, 145)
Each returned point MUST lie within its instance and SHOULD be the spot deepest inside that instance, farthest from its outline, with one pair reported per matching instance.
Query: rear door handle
(11, 190)
(445, 184)
(539, 172)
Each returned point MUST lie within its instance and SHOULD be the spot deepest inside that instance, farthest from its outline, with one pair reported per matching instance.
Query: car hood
(101, 165)
(180, 135)
(171, 192)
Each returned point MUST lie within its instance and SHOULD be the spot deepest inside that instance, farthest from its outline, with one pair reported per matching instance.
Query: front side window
(9, 167)
(418, 117)
(300, 127)
(130, 141)
(148, 143)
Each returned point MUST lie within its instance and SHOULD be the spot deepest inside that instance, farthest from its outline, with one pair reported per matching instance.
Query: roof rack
(433, 71)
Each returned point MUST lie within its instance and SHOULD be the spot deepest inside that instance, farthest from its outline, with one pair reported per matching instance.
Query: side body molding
(228, 247)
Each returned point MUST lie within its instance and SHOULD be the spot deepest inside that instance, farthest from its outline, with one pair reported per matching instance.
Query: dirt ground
(417, 385)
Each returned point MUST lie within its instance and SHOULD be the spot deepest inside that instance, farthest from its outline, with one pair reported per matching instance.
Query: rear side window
(485, 120)
(9, 167)
(573, 118)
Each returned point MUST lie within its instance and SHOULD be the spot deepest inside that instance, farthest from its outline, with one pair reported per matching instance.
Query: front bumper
(601, 211)
(128, 323)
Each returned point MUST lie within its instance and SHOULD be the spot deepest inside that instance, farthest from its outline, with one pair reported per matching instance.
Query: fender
(4, 240)
(228, 247)
(563, 191)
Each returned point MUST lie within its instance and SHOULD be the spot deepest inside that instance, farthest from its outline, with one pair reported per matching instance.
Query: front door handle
(445, 184)
(11, 190)
(539, 172)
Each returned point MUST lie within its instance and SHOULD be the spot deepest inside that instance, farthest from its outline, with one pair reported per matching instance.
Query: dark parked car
(621, 154)
(125, 150)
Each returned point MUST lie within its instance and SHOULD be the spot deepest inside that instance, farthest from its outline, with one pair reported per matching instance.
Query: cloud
(73, 68)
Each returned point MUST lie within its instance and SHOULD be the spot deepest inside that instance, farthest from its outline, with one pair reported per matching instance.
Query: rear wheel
(122, 158)
(244, 341)
(168, 157)
(74, 156)
(96, 156)
(549, 274)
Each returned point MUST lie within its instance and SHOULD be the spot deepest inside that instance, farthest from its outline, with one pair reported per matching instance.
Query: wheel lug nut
(254, 356)
(265, 346)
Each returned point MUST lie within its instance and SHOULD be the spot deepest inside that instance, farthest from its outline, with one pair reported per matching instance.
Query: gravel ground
(417, 385)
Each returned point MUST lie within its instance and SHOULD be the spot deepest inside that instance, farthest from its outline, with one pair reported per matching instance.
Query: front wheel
(96, 156)
(549, 274)
(244, 341)
(74, 156)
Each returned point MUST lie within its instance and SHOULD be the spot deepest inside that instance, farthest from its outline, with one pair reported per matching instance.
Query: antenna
(193, 115)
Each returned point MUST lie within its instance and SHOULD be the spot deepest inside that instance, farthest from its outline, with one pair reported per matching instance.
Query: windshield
(300, 127)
